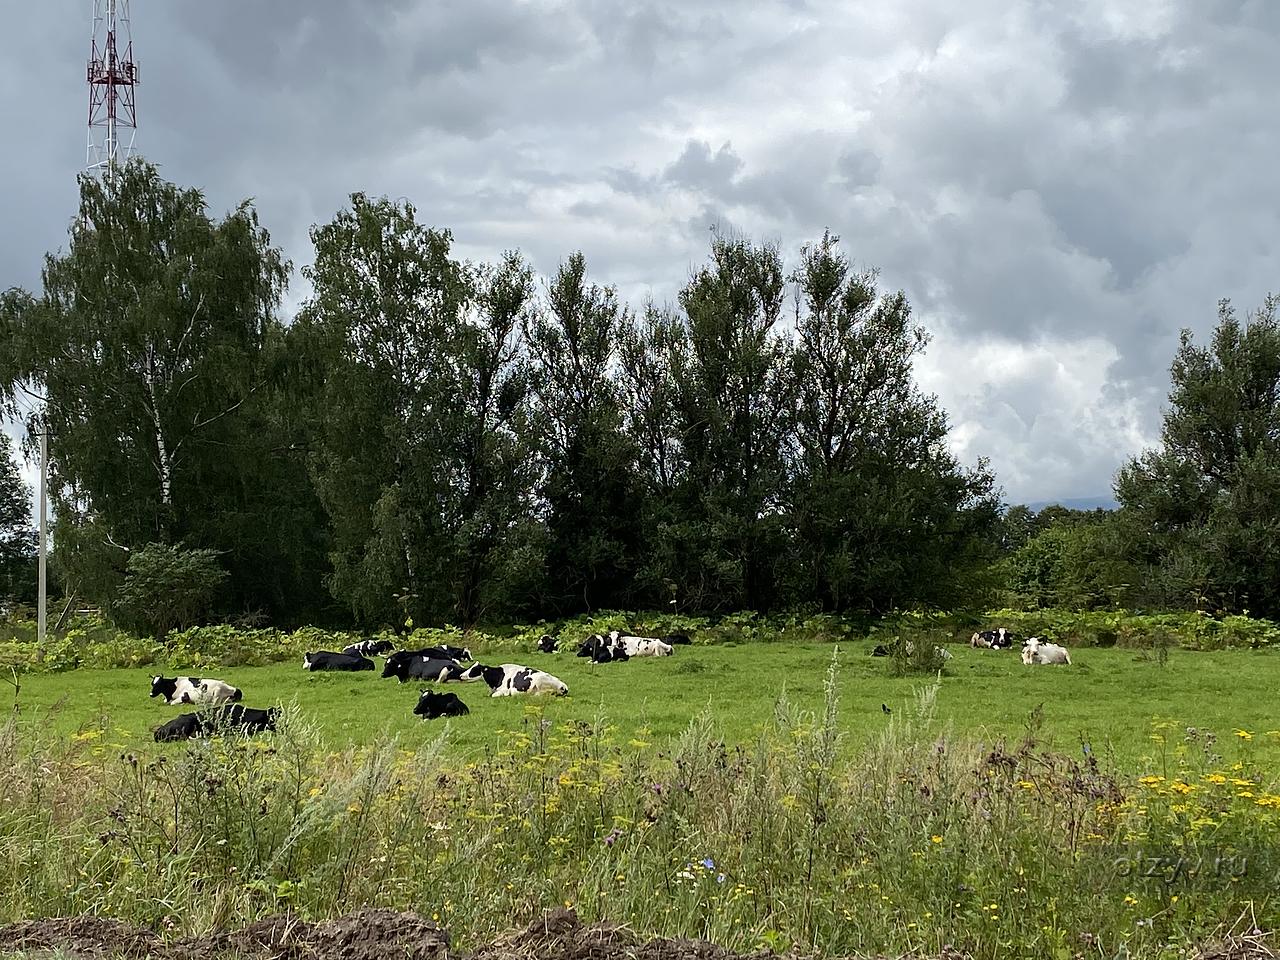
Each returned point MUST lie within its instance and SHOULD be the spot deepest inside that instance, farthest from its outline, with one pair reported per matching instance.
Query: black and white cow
(998, 639)
(441, 652)
(369, 648)
(328, 660)
(512, 679)
(547, 643)
(636, 646)
(177, 690)
(421, 668)
(602, 649)
(432, 705)
(231, 717)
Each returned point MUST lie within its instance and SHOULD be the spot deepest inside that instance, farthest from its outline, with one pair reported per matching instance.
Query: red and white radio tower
(112, 76)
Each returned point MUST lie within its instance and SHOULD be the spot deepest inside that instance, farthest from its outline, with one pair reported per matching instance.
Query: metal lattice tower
(112, 75)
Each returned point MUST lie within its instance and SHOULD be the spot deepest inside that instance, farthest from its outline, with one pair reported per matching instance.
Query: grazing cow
(676, 639)
(1039, 651)
(421, 668)
(997, 639)
(229, 718)
(547, 643)
(369, 648)
(510, 679)
(432, 705)
(328, 660)
(193, 690)
(880, 650)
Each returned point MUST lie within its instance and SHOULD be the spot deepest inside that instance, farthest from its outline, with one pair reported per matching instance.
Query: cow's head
(468, 674)
(395, 668)
(161, 687)
(273, 714)
(547, 643)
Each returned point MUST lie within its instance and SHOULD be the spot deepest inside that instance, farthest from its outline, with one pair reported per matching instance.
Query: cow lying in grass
(231, 718)
(511, 679)
(177, 690)
(432, 705)
(328, 660)
(368, 648)
(1040, 651)
(417, 667)
(998, 639)
(547, 643)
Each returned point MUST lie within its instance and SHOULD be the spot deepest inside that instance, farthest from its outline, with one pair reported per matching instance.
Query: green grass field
(1108, 697)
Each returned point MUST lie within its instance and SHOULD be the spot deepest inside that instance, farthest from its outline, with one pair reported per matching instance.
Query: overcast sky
(1058, 187)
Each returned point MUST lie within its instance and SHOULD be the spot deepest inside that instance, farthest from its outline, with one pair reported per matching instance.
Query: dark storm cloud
(1058, 188)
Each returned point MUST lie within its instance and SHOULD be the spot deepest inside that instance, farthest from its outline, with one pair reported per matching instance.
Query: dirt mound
(372, 934)
(363, 935)
(559, 935)
(89, 937)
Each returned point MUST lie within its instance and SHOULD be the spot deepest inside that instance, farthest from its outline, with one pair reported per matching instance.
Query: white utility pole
(44, 523)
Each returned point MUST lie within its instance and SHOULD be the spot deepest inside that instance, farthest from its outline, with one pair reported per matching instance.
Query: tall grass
(917, 840)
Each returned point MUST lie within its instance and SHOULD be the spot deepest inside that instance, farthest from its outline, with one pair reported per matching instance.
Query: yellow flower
(1244, 734)
(1150, 781)
(1214, 778)
(1130, 900)
(936, 839)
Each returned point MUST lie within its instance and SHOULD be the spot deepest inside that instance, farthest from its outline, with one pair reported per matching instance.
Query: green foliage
(167, 587)
(156, 343)
(1074, 559)
(1208, 500)
(591, 484)
(17, 537)
(882, 512)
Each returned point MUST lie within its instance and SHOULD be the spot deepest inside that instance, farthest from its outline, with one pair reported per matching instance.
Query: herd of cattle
(445, 664)
(436, 664)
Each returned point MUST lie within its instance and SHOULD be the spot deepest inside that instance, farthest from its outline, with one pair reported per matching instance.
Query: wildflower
(709, 863)
(719, 878)
(1244, 735)
(1130, 900)
(935, 838)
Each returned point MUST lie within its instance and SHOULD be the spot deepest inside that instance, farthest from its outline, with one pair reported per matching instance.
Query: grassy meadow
(1109, 697)
(753, 794)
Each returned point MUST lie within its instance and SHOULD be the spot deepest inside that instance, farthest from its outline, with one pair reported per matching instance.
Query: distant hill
(1077, 503)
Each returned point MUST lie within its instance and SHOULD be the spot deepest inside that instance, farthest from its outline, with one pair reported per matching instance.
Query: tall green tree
(17, 537)
(713, 392)
(590, 485)
(882, 512)
(155, 342)
(1208, 499)
(419, 447)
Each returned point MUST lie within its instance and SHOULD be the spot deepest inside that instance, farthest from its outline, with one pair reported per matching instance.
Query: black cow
(369, 648)
(432, 705)
(547, 643)
(328, 660)
(675, 639)
(230, 718)
(421, 668)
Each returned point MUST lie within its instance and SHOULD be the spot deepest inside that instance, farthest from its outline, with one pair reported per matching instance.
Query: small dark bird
(885, 708)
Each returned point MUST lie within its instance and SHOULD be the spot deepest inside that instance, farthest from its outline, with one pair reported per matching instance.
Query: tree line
(445, 440)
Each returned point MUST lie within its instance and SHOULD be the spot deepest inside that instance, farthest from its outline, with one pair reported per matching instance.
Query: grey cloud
(1058, 188)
